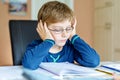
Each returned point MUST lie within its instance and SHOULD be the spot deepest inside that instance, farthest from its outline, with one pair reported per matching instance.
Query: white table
(11, 73)
(20, 73)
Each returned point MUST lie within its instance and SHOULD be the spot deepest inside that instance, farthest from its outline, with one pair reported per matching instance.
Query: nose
(64, 33)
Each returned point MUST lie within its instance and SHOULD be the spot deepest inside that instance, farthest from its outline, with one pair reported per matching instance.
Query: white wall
(36, 4)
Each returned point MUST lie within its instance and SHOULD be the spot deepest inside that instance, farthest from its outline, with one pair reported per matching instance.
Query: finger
(49, 34)
(75, 22)
(38, 29)
(46, 28)
(41, 28)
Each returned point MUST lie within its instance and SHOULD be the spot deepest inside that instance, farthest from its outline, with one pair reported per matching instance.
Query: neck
(55, 49)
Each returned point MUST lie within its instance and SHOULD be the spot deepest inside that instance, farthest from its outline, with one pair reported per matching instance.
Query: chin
(61, 44)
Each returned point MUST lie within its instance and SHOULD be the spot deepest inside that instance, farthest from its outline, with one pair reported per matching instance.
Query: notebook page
(65, 68)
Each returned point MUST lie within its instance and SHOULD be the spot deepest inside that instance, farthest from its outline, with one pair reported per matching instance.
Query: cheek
(56, 36)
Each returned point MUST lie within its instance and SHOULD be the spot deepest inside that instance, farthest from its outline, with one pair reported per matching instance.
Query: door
(103, 29)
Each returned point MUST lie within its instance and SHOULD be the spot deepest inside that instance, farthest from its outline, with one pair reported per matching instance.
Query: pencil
(109, 73)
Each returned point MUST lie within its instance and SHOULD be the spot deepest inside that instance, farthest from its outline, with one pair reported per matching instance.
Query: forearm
(34, 56)
(85, 55)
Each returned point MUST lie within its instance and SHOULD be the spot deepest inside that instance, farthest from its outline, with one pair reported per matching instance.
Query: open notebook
(68, 69)
(64, 71)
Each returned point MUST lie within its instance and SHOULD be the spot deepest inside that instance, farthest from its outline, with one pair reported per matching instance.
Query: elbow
(95, 63)
(30, 66)
(92, 64)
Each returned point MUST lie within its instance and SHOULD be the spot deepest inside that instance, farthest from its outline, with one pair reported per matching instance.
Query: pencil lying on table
(104, 71)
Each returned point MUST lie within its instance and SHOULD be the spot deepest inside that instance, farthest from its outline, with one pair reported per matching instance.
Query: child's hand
(74, 28)
(43, 31)
(116, 77)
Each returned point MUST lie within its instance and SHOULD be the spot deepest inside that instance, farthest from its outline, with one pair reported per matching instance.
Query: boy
(56, 27)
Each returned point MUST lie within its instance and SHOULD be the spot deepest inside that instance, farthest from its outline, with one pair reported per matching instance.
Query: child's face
(61, 31)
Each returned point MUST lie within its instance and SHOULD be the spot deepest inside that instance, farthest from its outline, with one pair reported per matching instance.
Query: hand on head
(74, 28)
(43, 31)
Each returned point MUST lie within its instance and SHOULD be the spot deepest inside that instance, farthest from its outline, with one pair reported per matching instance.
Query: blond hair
(54, 11)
